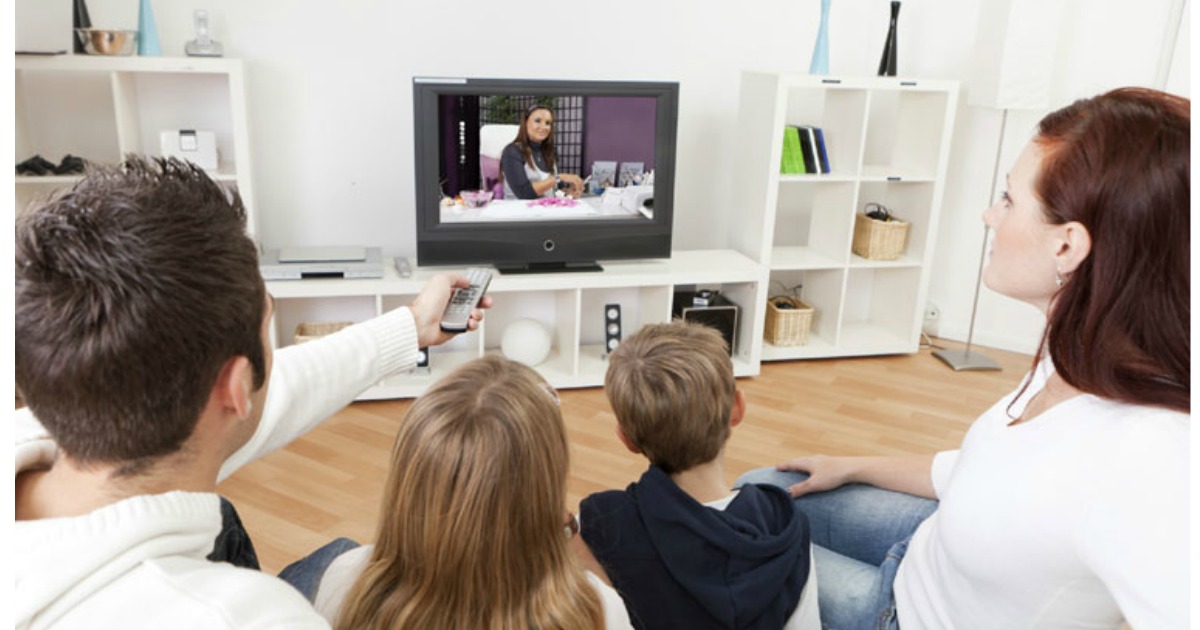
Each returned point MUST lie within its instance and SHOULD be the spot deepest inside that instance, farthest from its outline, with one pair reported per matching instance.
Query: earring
(1058, 279)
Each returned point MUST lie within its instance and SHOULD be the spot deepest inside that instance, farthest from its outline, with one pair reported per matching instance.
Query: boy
(683, 551)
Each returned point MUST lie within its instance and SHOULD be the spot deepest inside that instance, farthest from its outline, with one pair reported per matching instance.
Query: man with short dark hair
(142, 348)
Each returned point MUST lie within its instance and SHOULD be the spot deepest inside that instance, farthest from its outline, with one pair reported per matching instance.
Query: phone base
(195, 49)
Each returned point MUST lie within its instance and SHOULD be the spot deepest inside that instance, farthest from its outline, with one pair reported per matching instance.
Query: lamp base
(961, 360)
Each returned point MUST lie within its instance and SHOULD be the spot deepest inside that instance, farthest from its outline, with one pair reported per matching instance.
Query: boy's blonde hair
(671, 388)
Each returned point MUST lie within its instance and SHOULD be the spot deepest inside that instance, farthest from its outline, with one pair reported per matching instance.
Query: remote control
(402, 267)
(458, 311)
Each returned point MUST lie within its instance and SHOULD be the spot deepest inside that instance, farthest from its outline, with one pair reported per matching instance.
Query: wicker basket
(787, 326)
(307, 331)
(879, 240)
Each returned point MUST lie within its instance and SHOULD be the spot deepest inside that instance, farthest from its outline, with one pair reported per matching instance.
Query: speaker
(422, 361)
(711, 309)
(612, 327)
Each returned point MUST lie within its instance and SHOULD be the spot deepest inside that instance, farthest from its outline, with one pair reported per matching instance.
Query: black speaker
(612, 327)
(711, 309)
(422, 361)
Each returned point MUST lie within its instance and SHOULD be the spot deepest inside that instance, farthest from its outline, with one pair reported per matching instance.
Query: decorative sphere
(526, 341)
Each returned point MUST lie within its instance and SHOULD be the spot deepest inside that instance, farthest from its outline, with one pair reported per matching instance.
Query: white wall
(329, 86)
(1104, 44)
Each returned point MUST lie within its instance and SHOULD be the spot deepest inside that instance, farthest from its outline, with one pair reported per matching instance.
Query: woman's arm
(544, 186)
(904, 474)
(512, 163)
(574, 184)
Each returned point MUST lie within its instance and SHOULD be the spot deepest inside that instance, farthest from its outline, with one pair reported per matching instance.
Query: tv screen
(543, 175)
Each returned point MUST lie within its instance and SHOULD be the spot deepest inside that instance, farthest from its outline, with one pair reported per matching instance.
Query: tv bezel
(548, 245)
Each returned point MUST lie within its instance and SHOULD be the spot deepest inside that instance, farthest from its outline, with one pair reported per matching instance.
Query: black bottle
(887, 63)
(82, 20)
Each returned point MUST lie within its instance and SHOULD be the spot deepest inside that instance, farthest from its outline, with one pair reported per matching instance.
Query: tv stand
(572, 307)
(548, 267)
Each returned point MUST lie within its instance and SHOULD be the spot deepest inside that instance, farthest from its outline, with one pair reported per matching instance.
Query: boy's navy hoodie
(680, 564)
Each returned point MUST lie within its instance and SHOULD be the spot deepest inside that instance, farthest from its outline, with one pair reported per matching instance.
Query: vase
(147, 31)
(887, 62)
(820, 56)
(82, 20)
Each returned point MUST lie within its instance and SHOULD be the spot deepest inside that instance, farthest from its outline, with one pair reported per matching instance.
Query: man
(142, 349)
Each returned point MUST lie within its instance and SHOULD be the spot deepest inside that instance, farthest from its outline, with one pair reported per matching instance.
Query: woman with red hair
(1067, 505)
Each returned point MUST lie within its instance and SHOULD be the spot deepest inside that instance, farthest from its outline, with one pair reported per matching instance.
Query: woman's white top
(1074, 519)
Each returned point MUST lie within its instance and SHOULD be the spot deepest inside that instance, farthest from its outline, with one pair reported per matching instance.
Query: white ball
(526, 341)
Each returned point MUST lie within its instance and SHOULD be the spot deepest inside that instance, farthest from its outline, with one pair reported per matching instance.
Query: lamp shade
(1015, 53)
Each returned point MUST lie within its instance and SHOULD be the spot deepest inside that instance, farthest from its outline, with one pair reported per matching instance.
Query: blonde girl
(471, 531)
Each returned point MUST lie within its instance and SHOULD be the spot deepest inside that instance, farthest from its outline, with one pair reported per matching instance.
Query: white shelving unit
(102, 108)
(570, 305)
(888, 141)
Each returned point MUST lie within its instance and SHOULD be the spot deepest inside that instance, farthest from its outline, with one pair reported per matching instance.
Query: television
(617, 137)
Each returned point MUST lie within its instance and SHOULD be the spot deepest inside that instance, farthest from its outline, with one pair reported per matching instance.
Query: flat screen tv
(612, 194)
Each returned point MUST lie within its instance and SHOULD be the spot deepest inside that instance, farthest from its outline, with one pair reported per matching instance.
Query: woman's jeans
(305, 574)
(860, 533)
(233, 545)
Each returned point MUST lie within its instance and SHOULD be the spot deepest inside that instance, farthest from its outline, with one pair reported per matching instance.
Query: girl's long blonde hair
(471, 528)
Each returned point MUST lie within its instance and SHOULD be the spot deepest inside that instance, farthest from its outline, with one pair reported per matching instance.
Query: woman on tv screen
(528, 164)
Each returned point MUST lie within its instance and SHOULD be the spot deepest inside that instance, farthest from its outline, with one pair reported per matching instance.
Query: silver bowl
(107, 41)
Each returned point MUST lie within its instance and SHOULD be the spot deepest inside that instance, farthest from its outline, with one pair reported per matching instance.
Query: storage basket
(787, 326)
(879, 240)
(307, 331)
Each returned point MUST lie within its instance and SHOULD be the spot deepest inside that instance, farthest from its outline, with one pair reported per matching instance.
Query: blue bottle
(820, 56)
(147, 31)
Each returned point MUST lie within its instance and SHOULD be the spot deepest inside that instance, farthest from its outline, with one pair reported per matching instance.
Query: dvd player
(317, 262)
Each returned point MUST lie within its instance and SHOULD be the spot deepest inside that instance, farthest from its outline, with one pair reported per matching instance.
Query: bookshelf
(103, 108)
(888, 141)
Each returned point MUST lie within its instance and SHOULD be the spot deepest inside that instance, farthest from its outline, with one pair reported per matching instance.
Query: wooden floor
(327, 483)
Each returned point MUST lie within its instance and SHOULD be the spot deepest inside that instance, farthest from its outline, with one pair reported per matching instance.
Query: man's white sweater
(140, 562)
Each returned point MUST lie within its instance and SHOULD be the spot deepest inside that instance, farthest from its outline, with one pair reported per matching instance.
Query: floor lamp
(1013, 69)
(966, 359)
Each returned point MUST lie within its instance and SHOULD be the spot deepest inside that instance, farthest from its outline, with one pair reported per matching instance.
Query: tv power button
(548, 245)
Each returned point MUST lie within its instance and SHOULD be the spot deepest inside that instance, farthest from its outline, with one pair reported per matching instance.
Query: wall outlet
(930, 324)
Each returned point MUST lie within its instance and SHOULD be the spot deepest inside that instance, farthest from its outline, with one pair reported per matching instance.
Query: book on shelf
(808, 148)
(792, 162)
(822, 154)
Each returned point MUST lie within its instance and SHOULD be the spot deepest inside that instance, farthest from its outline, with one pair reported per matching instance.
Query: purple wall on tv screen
(619, 129)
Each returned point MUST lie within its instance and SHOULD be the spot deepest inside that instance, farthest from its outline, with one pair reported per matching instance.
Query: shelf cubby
(905, 130)
(557, 311)
(812, 225)
(820, 289)
(291, 313)
(880, 308)
(839, 110)
(907, 201)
